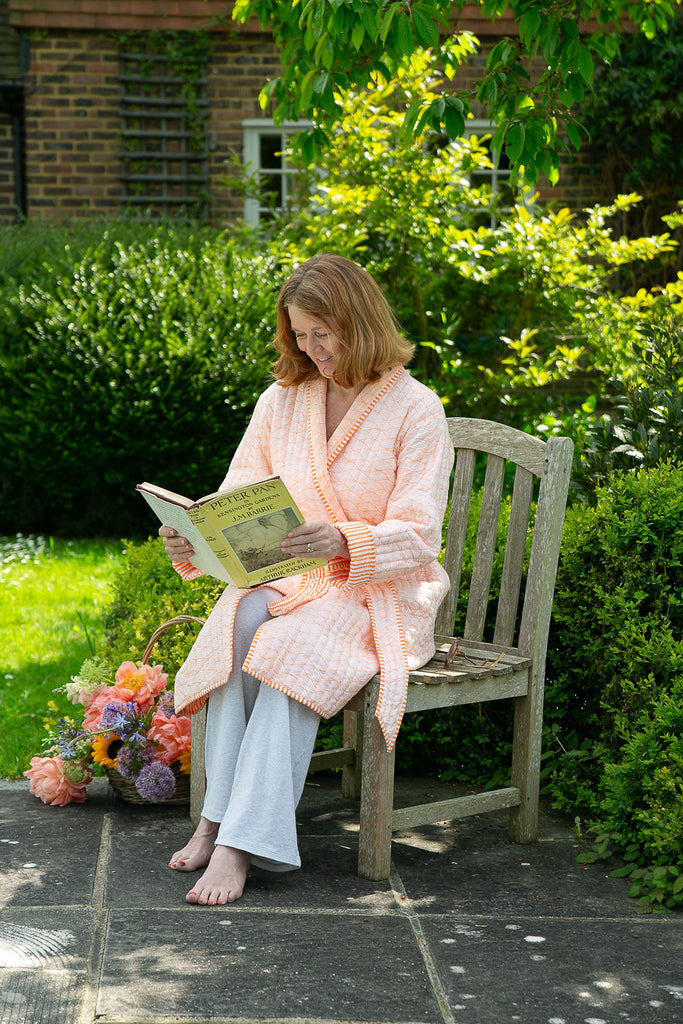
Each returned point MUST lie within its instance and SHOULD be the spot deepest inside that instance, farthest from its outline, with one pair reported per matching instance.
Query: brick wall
(72, 121)
(239, 68)
(7, 211)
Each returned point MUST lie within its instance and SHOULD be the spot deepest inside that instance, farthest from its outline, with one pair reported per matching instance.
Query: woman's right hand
(177, 548)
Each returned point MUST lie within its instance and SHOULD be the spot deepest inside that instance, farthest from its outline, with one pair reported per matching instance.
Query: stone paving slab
(557, 970)
(43, 964)
(328, 881)
(450, 870)
(48, 855)
(244, 964)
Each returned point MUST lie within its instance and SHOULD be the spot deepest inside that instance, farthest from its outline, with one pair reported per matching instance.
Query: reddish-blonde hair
(349, 302)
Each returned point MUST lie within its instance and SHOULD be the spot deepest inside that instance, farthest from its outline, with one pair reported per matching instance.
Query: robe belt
(387, 631)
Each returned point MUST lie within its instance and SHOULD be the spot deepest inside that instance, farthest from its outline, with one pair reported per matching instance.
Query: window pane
(271, 190)
(271, 151)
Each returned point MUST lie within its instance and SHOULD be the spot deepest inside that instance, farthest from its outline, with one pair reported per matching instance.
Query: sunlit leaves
(350, 40)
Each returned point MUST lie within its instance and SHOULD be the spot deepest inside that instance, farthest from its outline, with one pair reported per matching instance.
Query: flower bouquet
(129, 727)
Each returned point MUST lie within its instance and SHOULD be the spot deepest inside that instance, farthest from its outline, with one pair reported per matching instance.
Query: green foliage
(332, 45)
(519, 321)
(146, 593)
(615, 673)
(634, 118)
(645, 426)
(143, 362)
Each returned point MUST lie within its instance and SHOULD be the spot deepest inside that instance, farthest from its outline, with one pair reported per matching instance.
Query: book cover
(236, 534)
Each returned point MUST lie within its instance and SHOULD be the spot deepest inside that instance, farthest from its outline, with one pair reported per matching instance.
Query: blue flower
(122, 718)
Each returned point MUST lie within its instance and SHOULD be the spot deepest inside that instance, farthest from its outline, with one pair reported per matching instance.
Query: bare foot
(197, 852)
(223, 881)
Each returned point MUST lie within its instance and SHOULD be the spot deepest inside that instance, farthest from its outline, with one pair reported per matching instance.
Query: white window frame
(495, 175)
(478, 126)
(252, 131)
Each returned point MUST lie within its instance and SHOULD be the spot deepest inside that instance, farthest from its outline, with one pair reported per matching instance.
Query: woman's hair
(351, 305)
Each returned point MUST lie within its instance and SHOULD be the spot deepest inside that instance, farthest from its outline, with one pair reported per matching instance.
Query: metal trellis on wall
(164, 152)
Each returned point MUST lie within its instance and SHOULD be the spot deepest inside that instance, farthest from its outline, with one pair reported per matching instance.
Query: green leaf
(426, 30)
(321, 82)
(574, 136)
(585, 64)
(408, 126)
(528, 27)
(358, 34)
(454, 123)
(386, 22)
(514, 141)
(403, 34)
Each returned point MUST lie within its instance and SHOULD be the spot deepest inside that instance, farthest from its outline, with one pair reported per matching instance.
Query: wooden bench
(535, 474)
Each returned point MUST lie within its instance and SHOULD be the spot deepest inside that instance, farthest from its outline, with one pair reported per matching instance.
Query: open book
(236, 534)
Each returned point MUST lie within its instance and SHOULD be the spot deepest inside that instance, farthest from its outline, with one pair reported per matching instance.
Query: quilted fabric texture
(382, 479)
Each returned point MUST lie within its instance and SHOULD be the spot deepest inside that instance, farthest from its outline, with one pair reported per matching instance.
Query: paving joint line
(203, 1019)
(405, 904)
(93, 971)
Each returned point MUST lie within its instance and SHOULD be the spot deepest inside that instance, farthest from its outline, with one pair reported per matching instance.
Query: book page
(176, 517)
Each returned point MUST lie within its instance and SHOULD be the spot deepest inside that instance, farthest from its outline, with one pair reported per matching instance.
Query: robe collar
(322, 452)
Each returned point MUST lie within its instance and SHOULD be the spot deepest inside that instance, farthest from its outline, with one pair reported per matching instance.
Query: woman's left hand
(317, 539)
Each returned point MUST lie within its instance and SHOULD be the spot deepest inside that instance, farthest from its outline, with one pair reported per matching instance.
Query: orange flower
(51, 785)
(172, 734)
(141, 684)
(184, 762)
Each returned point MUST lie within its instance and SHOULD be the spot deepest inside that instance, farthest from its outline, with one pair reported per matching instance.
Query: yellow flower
(101, 751)
(184, 762)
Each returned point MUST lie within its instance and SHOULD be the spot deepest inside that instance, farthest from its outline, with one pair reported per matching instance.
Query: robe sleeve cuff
(362, 550)
(187, 570)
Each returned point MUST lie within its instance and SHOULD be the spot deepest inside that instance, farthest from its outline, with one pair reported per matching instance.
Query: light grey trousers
(258, 747)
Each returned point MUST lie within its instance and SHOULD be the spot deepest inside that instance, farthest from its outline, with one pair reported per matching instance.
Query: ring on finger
(308, 547)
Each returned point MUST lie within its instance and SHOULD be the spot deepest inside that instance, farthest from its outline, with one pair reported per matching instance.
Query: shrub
(515, 311)
(645, 425)
(615, 674)
(148, 591)
(143, 363)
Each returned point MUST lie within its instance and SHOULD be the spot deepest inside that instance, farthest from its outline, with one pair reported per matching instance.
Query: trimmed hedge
(142, 363)
(614, 754)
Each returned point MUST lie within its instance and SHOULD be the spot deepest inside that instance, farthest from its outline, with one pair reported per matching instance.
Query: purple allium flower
(132, 758)
(155, 782)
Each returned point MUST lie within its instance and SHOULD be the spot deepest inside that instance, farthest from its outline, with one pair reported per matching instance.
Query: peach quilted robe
(382, 479)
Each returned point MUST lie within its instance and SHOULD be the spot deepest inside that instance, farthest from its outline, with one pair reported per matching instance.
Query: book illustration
(256, 541)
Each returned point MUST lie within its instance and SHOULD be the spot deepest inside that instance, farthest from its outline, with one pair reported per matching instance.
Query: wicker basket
(125, 788)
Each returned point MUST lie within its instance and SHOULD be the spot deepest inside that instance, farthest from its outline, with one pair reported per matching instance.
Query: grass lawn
(52, 598)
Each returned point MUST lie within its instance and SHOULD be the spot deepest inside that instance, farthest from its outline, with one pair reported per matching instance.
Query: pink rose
(93, 712)
(172, 734)
(141, 684)
(50, 784)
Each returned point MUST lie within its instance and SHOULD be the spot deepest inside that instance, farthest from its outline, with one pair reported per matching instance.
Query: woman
(365, 450)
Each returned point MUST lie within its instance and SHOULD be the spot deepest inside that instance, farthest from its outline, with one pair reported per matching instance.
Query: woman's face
(316, 339)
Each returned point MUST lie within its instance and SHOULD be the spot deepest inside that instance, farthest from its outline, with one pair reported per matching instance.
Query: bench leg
(197, 773)
(353, 737)
(526, 770)
(376, 800)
